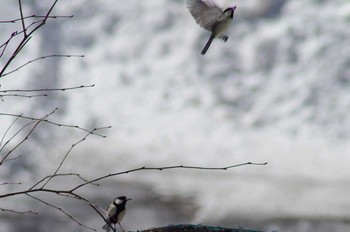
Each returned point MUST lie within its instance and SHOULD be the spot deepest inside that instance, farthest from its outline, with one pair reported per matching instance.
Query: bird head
(230, 11)
(121, 200)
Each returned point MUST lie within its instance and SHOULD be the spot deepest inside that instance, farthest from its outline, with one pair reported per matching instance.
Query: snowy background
(276, 91)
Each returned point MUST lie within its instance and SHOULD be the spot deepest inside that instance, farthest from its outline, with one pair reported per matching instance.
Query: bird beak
(234, 8)
(128, 199)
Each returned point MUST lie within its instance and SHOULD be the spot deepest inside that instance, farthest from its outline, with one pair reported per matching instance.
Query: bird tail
(206, 47)
(107, 227)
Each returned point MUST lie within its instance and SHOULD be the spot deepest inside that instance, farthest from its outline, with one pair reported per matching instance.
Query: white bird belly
(222, 28)
(121, 215)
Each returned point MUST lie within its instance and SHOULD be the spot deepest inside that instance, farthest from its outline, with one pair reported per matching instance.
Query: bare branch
(14, 93)
(27, 136)
(4, 45)
(13, 136)
(36, 16)
(26, 38)
(17, 212)
(21, 95)
(41, 58)
(16, 33)
(68, 152)
(166, 168)
(12, 159)
(61, 210)
(22, 19)
(60, 175)
(71, 191)
(8, 129)
(61, 193)
(47, 89)
(93, 206)
(23, 192)
(10, 183)
(55, 123)
(78, 197)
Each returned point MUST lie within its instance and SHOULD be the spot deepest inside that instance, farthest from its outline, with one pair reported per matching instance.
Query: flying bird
(212, 18)
(115, 213)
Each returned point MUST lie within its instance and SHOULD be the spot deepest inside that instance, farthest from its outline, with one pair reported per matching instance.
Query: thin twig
(4, 45)
(60, 175)
(78, 197)
(166, 168)
(21, 95)
(17, 212)
(27, 136)
(26, 39)
(36, 16)
(8, 92)
(71, 191)
(68, 152)
(22, 19)
(42, 190)
(93, 206)
(55, 123)
(52, 191)
(61, 210)
(16, 33)
(12, 159)
(13, 136)
(40, 58)
(10, 183)
(47, 89)
(8, 129)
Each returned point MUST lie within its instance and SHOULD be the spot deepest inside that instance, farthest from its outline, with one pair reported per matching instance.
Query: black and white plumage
(115, 213)
(212, 18)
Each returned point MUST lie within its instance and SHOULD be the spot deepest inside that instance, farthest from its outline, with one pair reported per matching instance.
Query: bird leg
(121, 227)
(224, 38)
(113, 227)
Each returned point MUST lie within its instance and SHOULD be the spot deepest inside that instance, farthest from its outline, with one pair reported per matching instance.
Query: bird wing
(204, 14)
(111, 211)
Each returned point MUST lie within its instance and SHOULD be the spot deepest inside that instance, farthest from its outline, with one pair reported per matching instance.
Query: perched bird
(115, 213)
(212, 18)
